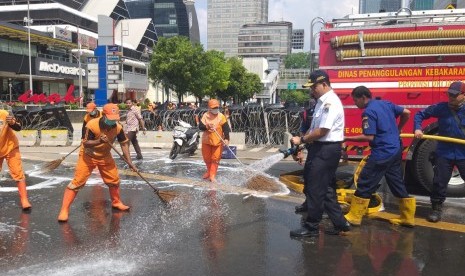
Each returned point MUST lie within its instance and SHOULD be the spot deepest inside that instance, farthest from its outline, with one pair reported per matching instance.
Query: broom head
(50, 166)
(166, 196)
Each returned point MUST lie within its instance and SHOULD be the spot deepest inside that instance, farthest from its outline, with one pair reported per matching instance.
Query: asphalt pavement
(206, 231)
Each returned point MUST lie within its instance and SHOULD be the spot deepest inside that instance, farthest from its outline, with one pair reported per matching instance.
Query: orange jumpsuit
(212, 146)
(98, 156)
(9, 148)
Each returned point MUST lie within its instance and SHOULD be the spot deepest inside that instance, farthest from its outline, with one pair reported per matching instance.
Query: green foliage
(298, 96)
(186, 68)
(297, 61)
(73, 106)
(175, 63)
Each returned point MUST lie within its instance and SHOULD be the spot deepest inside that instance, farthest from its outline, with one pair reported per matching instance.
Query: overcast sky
(299, 12)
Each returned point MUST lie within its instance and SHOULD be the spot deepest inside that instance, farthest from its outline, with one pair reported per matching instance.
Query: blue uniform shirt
(447, 126)
(379, 119)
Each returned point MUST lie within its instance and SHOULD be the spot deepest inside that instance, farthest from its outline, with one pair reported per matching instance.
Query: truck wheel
(422, 169)
(175, 149)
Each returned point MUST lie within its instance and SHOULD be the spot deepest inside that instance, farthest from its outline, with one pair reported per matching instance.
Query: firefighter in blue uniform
(451, 123)
(381, 130)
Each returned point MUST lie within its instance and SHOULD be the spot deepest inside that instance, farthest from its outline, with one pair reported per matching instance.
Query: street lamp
(29, 21)
(312, 38)
(78, 58)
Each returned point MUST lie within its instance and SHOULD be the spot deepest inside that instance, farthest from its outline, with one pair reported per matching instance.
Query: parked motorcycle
(186, 139)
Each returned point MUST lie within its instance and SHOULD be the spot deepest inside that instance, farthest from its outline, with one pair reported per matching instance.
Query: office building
(170, 17)
(225, 19)
(268, 40)
(63, 34)
(298, 36)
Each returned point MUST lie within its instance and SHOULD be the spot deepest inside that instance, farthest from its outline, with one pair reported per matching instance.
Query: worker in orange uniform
(91, 113)
(216, 132)
(9, 150)
(96, 152)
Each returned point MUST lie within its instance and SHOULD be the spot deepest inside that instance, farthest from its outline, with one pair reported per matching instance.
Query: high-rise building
(170, 17)
(374, 6)
(225, 19)
(298, 39)
(390, 5)
(369, 6)
(268, 40)
(421, 5)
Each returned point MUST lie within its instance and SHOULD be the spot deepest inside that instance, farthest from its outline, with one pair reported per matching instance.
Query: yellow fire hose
(435, 137)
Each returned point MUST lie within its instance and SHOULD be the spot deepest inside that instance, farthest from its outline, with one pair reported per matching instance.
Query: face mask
(214, 111)
(93, 113)
(110, 122)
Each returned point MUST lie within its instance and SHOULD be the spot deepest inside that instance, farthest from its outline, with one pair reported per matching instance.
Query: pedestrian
(215, 132)
(451, 123)
(91, 113)
(381, 130)
(9, 151)
(134, 121)
(324, 144)
(96, 152)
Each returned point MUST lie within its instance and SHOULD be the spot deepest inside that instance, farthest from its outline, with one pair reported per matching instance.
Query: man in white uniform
(324, 143)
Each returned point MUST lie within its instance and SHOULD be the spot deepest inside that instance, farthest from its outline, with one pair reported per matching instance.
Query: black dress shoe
(336, 231)
(305, 232)
(301, 208)
(139, 157)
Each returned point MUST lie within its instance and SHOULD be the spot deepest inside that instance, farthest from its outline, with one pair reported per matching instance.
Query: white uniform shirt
(329, 114)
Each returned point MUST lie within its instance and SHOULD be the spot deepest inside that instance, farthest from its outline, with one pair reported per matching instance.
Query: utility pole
(29, 21)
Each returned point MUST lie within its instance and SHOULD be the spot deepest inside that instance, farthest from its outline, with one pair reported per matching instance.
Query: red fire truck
(409, 58)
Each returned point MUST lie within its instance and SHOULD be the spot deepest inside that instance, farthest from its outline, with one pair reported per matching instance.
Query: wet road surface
(206, 231)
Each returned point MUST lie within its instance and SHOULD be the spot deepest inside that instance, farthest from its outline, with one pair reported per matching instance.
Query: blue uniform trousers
(373, 172)
(320, 185)
(442, 174)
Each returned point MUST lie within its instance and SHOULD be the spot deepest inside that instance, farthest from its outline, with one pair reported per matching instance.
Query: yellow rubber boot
(358, 208)
(213, 170)
(68, 198)
(207, 174)
(407, 207)
(116, 199)
(25, 204)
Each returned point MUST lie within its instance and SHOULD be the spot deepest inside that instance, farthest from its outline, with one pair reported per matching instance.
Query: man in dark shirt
(451, 123)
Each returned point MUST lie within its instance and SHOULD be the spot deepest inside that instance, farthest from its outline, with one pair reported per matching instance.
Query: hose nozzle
(289, 151)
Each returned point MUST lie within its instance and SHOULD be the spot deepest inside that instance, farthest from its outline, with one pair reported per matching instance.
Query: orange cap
(90, 107)
(213, 104)
(111, 111)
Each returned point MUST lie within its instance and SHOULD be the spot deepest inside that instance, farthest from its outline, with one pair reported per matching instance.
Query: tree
(297, 61)
(251, 85)
(177, 64)
(215, 76)
(298, 96)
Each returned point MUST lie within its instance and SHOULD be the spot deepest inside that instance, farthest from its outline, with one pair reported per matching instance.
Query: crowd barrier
(251, 125)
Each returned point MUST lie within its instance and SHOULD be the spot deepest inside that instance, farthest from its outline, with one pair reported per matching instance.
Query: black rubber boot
(435, 216)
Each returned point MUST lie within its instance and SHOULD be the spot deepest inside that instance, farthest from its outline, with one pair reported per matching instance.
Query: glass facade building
(374, 6)
(225, 19)
(170, 17)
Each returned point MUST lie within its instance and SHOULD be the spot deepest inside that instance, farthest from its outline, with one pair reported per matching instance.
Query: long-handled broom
(165, 196)
(50, 166)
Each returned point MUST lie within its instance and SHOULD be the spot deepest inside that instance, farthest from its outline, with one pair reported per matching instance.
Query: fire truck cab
(409, 58)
